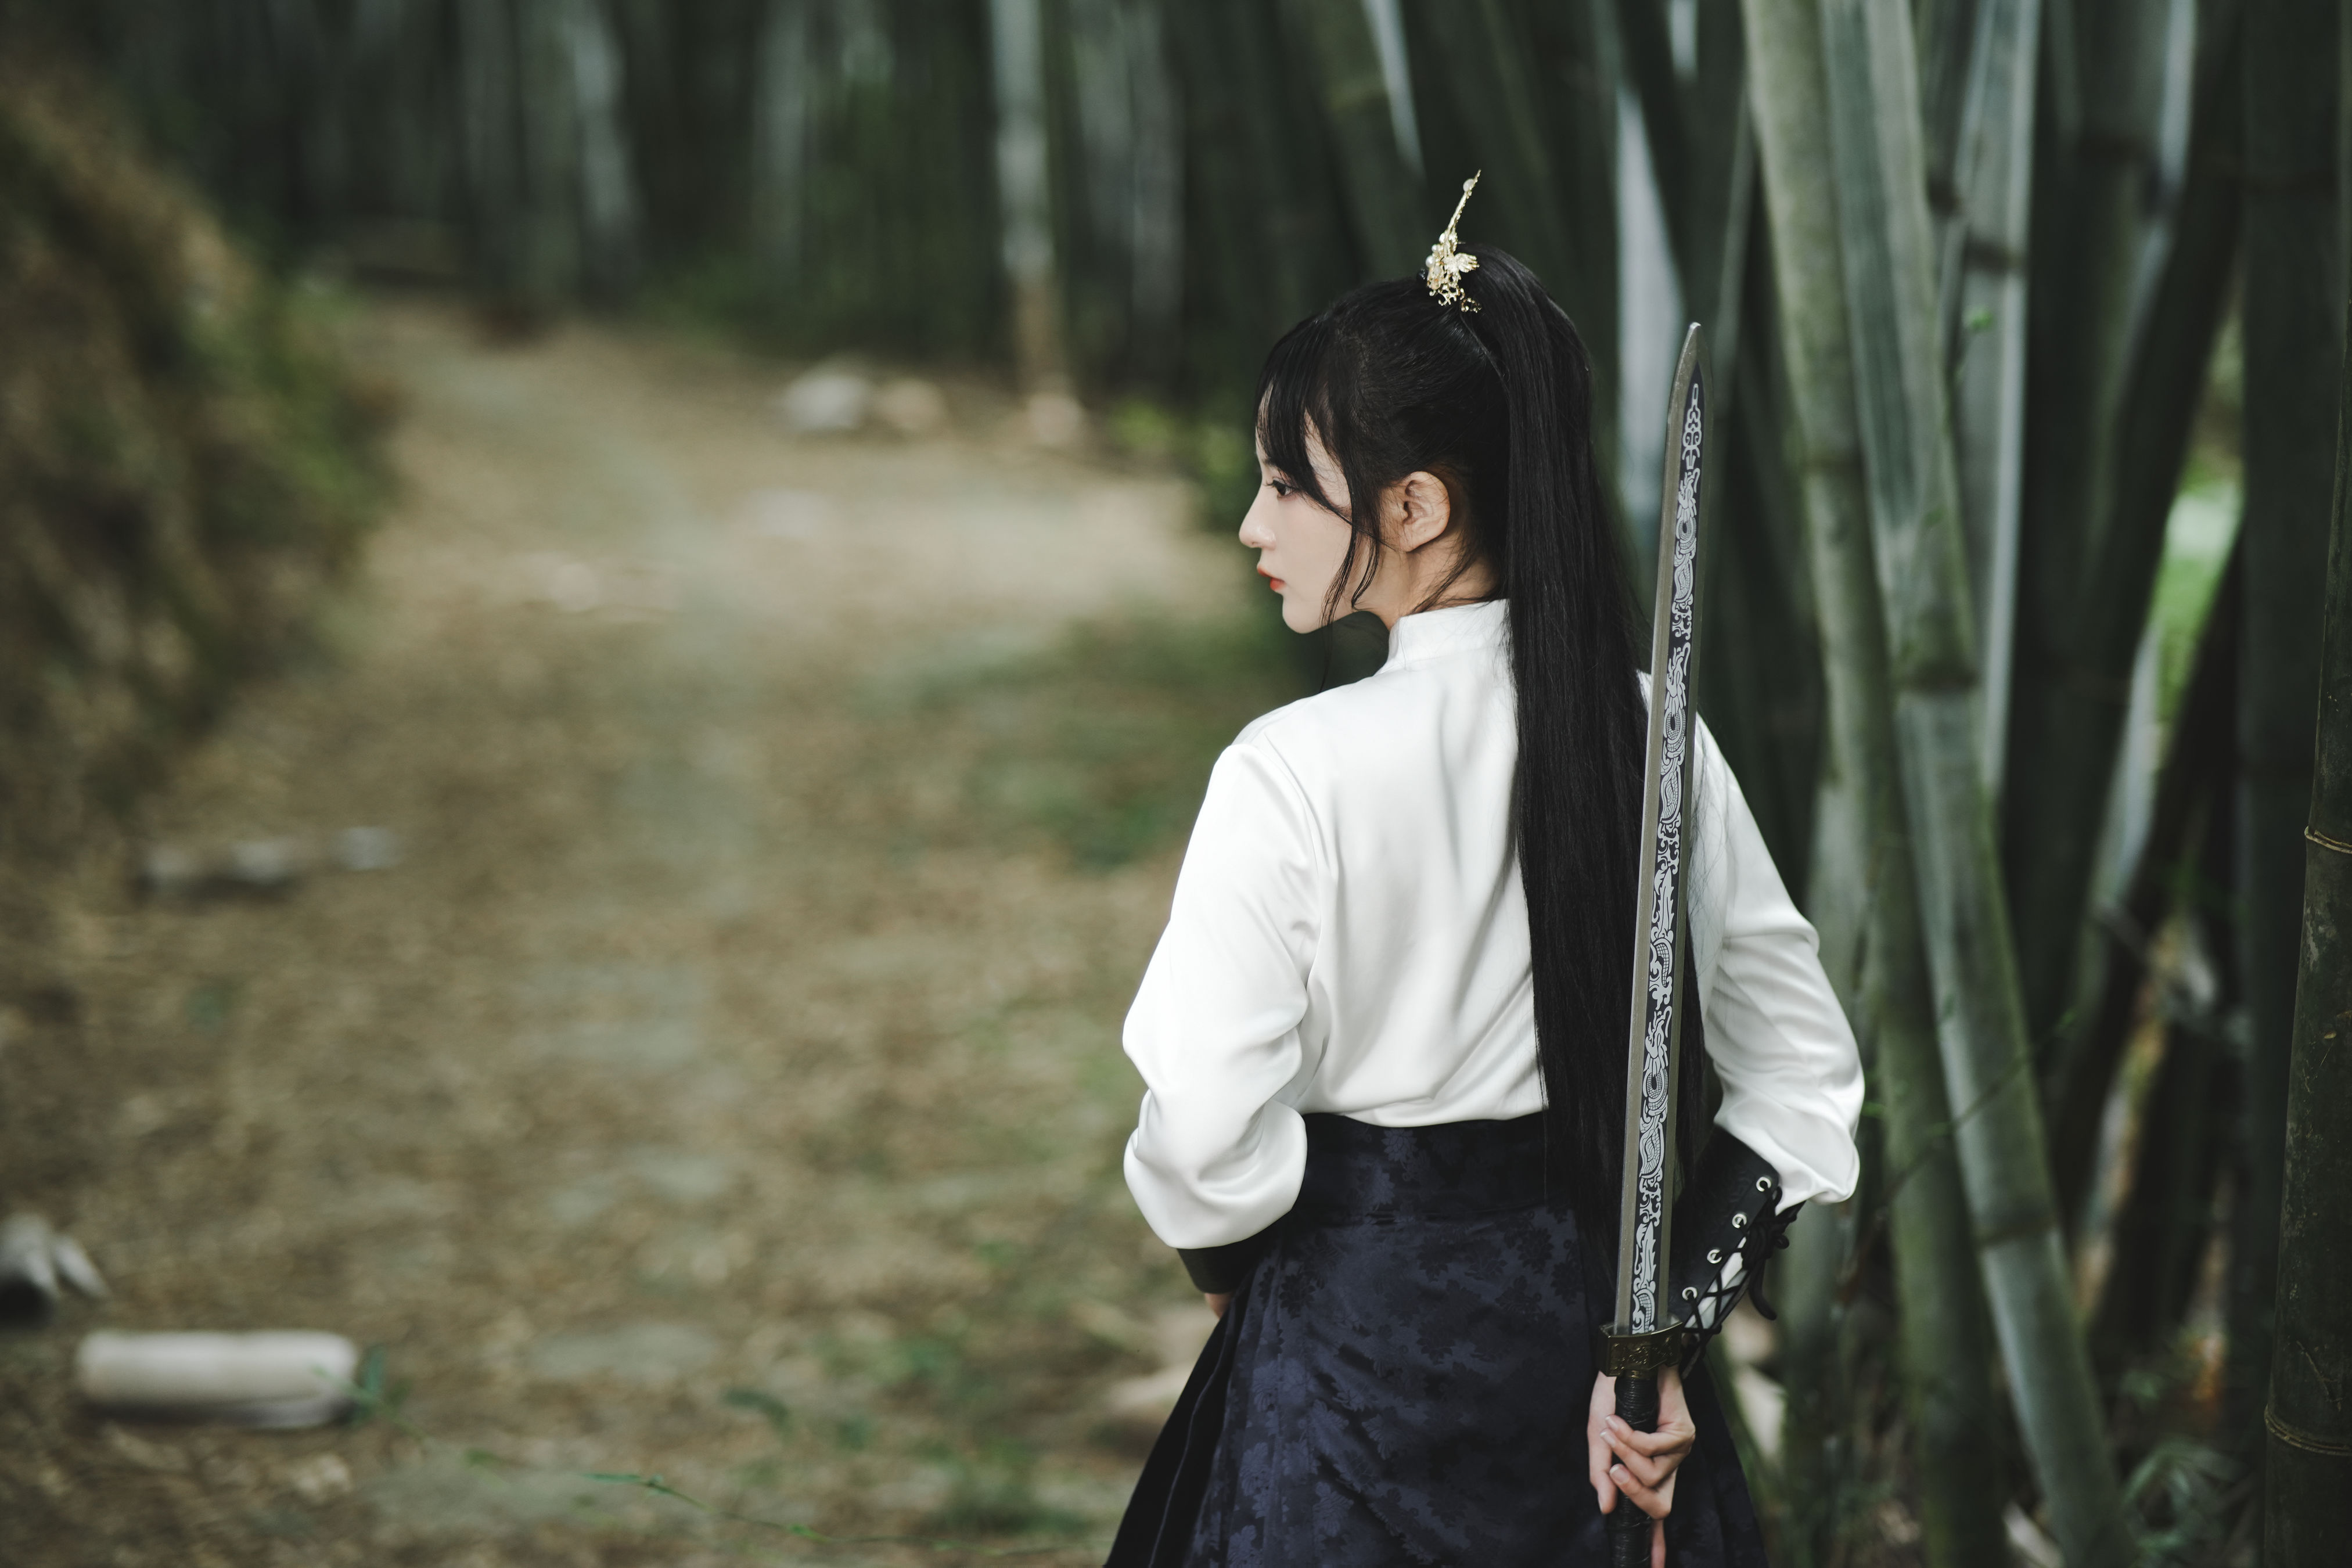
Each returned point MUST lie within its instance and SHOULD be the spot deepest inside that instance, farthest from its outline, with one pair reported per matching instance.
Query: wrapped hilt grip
(1629, 1527)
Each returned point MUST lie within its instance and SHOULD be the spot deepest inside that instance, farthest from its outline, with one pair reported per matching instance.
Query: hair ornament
(1447, 264)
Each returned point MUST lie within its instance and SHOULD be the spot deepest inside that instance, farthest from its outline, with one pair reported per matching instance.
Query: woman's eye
(1282, 489)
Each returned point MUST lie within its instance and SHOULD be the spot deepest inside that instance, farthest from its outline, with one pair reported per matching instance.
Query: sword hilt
(1635, 1360)
(1629, 1527)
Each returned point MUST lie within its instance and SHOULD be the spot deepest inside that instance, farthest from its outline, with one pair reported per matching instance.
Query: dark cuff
(1219, 1270)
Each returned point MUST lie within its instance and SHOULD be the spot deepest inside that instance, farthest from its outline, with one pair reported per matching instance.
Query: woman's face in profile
(1300, 545)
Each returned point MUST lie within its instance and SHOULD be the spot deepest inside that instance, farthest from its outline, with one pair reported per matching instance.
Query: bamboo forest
(614, 614)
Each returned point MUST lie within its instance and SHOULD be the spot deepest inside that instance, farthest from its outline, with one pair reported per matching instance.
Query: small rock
(912, 406)
(268, 865)
(320, 1479)
(260, 867)
(1055, 420)
(168, 870)
(33, 1259)
(367, 848)
(826, 399)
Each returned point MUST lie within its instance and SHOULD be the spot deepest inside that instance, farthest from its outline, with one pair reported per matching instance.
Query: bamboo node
(2325, 842)
(2295, 1436)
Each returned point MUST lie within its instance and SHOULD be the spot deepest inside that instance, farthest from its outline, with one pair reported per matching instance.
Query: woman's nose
(1255, 533)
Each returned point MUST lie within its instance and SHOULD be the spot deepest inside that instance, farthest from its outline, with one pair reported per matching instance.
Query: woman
(1383, 1036)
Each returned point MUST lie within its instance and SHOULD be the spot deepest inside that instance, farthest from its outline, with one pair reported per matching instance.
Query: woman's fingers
(1639, 1465)
(1666, 1442)
(1657, 1501)
(1598, 1456)
(1648, 1469)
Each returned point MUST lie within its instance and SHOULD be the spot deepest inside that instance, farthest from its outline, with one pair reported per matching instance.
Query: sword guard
(1621, 1353)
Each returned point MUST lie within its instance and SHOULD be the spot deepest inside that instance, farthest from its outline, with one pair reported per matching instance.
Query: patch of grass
(1102, 743)
(767, 1407)
(995, 1494)
(210, 1005)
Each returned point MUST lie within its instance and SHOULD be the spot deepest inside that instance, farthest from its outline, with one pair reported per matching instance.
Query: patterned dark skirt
(1402, 1378)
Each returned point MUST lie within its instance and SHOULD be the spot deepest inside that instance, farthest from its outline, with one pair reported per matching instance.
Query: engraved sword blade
(1655, 1024)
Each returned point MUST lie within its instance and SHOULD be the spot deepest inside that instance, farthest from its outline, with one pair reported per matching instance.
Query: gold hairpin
(1446, 263)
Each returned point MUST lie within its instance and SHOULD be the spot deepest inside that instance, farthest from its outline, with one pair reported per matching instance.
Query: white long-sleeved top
(1349, 934)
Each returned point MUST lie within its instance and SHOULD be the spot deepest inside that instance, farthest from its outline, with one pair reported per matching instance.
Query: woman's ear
(1420, 509)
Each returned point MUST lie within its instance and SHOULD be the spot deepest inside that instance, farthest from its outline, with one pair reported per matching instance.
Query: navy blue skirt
(1403, 1376)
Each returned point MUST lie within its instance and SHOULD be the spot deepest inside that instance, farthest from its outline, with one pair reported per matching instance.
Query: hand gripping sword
(1644, 1337)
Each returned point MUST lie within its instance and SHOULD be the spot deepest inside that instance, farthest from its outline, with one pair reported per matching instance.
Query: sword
(1645, 1337)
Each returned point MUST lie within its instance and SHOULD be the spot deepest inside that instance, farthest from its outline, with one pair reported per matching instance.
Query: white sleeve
(1791, 1077)
(1215, 1157)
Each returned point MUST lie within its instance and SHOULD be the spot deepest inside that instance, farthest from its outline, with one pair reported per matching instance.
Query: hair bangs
(1294, 405)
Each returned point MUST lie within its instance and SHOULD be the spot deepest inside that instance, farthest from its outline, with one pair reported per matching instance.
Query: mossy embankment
(184, 461)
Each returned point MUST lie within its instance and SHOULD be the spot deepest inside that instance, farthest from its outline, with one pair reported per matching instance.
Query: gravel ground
(724, 1084)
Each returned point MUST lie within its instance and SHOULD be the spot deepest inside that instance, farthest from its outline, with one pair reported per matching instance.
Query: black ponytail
(1497, 404)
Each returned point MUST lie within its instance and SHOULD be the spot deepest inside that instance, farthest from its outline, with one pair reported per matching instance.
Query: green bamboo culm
(1763, 712)
(1863, 897)
(1384, 194)
(2169, 371)
(2291, 299)
(2307, 1468)
(1791, 134)
(1886, 239)
(1525, 93)
(2104, 86)
(1987, 115)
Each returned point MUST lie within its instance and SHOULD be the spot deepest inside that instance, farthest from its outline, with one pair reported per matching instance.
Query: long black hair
(1497, 404)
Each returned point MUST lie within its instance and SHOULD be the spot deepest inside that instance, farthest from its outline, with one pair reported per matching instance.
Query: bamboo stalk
(1862, 894)
(1761, 701)
(1786, 98)
(1697, 134)
(548, 272)
(1886, 244)
(1572, 69)
(1484, 57)
(1818, 1485)
(2308, 1502)
(485, 68)
(2089, 223)
(1025, 191)
(1156, 239)
(782, 94)
(2199, 761)
(1527, 91)
(2293, 300)
(1384, 196)
(608, 198)
(1983, 295)
(2166, 1221)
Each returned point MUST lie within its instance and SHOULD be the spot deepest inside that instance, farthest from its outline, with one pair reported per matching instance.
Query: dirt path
(725, 1083)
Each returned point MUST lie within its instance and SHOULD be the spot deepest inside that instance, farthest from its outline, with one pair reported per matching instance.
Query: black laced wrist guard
(1727, 1225)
